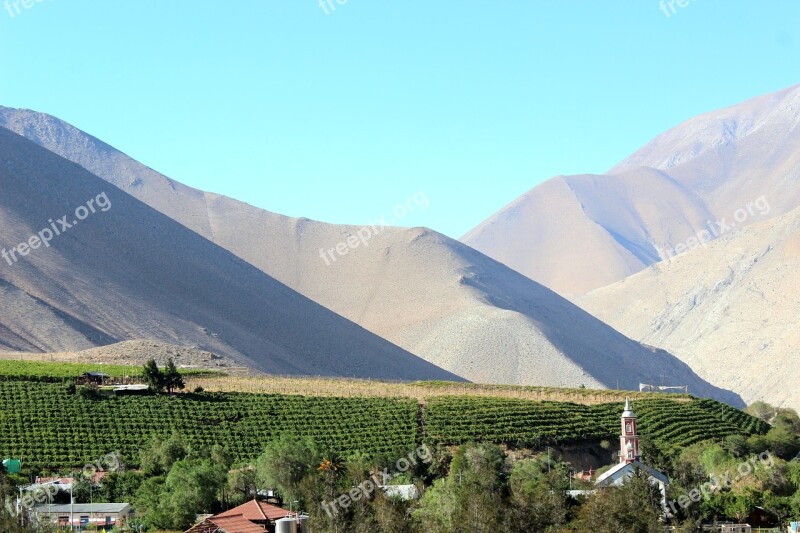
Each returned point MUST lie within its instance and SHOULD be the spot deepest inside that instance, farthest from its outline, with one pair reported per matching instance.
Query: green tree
(471, 498)
(158, 458)
(119, 486)
(634, 507)
(778, 506)
(392, 515)
(782, 442)
(192, 486)
(761, 410)
(10, 520)
(736, 445)
(538, 498)
(83, 490)
(789, 419)
(242, 485)
(172, 378)
(284, 464)
(153, 377)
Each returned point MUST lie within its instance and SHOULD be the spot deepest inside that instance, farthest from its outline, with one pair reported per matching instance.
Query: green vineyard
(50, 427)
(668, 423)
(56, 372)
(43, 425)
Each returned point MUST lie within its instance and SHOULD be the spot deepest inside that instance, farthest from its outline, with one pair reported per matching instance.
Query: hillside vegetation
(49, 426)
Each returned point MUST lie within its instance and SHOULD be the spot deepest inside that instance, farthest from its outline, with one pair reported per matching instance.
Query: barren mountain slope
(429, 294)
(728, 168)
(129, 272)
(730, 309)
(576, 233)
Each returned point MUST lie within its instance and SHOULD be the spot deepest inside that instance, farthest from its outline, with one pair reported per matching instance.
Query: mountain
(728, 309)
(84, 264)
(698, 181)
(429, 294)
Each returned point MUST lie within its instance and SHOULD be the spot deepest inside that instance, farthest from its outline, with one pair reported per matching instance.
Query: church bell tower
(629, 440)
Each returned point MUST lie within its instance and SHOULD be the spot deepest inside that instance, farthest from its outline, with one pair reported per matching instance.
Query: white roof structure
(404, 492)
(622, 471)
(85, 508)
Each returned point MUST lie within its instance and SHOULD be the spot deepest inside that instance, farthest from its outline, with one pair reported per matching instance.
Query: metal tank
(286, 525)
(302, 523)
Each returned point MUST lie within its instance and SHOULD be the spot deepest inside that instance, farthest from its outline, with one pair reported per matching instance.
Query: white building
(85, 514)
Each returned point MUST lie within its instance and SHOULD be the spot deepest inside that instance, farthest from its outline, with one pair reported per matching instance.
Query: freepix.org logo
(18, 7)
(56, 228)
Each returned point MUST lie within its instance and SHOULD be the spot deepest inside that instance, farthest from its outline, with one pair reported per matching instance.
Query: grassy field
(420, 391)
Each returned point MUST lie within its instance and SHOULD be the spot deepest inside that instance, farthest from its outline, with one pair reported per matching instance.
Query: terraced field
(669, 424)
(49, 427)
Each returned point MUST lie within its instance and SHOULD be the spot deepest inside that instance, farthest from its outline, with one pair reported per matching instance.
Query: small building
(252, 517)
(93, 378)
(85, 515)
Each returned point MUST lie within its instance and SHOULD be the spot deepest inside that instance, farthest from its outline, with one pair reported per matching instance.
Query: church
(629, 459)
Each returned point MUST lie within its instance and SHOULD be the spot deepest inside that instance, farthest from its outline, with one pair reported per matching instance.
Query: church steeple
(629, 439)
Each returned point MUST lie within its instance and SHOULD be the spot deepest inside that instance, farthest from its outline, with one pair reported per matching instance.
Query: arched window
(628, 427)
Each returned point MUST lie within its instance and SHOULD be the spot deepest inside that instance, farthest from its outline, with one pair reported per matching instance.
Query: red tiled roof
(255, 510)
(236, 524)
(228, 524)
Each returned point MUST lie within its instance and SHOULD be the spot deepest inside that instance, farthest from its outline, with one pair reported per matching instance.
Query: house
(92, 378)
(629, 459)
(85, 514)
(252, 517)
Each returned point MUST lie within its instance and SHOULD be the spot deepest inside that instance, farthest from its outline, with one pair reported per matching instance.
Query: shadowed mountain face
(429, 294)
(115, 269)
(729, 309)
(705, 178)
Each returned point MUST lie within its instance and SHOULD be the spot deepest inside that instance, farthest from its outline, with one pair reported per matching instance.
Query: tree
(472, 497)
(392, 515)
(779, 506)
(10, 520)
(761, 410)
(83, 490)
(242, 485)
(172, 378)
(153, 377)
(538, 495)
(192, 486)
(284, 464)
(789, 419)
(783, 442)
(634, 507)
(119, 486)
(158, 458)
(736, 445)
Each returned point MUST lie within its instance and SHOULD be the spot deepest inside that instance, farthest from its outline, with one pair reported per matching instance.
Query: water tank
(12, 466)
(302, 524)
(286, 525)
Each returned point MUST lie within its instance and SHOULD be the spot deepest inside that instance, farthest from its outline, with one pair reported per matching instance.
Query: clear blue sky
(341, 116)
